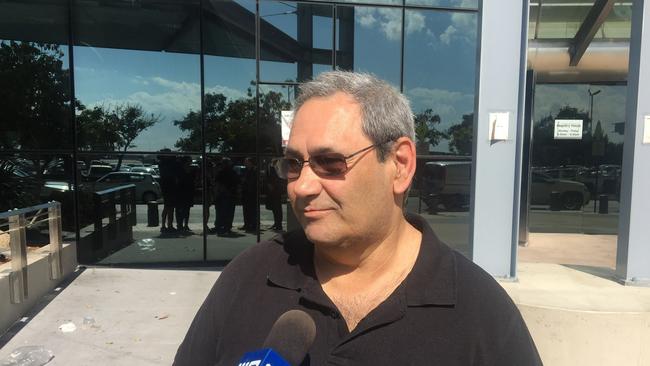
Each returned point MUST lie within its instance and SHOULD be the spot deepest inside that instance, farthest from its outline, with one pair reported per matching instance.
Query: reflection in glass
(369, 40)
(34, 76)
(574, 179)
(148, 209)
(230, 122)
(464, 4)
(31, 179)
(439, 72)
(136, 73)
(287, 35)
(273, 100)
(34, 96)
(231, 196)
(274, 210)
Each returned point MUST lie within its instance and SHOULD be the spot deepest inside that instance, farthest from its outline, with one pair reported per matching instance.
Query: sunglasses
(326, 165)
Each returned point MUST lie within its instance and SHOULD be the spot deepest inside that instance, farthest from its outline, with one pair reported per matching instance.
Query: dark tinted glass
(369, 40)
(230, 121)
(439, 80)
(464, 4)
(140, 208)
(34, 76)
(232, 205)
(275, 211)
(274, 99)
(31, 179)
(137, 73)
(575, 178)
(291, 35)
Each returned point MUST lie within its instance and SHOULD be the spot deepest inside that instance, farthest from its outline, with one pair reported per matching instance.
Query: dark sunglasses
(324, 165)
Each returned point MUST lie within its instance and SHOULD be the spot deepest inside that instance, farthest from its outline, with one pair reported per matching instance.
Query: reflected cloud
(389, 21)
(449, 105)
(171, 100)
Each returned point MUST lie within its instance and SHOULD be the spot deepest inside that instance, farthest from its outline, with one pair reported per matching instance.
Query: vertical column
(633, 250)
(497, 135)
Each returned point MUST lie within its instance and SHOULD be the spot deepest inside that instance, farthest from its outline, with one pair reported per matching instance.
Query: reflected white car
(146, 188)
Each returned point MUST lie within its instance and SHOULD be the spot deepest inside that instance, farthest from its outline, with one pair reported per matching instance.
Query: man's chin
(320, 235)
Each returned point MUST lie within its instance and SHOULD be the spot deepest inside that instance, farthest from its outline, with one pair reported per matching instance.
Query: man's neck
(356, 288)
(356, 265)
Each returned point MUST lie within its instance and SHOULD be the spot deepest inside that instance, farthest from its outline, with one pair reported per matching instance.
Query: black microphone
(287, 343)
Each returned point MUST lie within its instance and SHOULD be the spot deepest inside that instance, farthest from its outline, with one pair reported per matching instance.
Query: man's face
(351, 208)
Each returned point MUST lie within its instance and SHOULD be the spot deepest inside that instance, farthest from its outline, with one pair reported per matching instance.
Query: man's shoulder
(281, 250)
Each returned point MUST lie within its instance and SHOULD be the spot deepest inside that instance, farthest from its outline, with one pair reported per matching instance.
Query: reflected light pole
(591, 109)
(591, 129)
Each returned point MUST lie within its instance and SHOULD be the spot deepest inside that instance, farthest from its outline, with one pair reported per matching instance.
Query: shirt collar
(432, 281)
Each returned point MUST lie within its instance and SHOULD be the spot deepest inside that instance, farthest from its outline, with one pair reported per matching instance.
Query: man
(381, 288)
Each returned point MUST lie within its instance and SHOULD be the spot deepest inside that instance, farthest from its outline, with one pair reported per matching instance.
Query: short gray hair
(386, 113)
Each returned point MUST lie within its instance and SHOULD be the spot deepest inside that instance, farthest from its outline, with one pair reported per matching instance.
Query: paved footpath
(120, 317)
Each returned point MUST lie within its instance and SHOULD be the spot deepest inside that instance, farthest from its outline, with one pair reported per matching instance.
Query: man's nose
(308, 183)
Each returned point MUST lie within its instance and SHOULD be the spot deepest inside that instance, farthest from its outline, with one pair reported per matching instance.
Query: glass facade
(155, 122)
(577, 128)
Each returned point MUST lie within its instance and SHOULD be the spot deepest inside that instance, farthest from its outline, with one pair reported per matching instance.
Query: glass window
(575, 182)
(289, 36)
(230, 120)
(274, 99)
(31, 179)
(156, 217)
(439, 80)
(34, 76)
(369, 40)
(461, 4)
(232, 205)
(136, 73)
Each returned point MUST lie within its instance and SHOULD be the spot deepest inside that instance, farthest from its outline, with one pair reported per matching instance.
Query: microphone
(287, 343)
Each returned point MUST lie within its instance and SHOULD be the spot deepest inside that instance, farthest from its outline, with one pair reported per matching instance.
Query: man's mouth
(316, 212)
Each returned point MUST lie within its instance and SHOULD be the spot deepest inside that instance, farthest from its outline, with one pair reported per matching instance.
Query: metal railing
(16, 221)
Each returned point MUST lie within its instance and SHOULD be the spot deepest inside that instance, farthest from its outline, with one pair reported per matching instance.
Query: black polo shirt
(447, 311)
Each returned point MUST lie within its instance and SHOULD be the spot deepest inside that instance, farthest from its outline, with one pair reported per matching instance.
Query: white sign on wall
(499, 125)
(568, 129)
(286, 120)
(646, 129)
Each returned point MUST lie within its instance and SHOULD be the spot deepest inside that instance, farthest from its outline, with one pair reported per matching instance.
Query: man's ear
(404, 158)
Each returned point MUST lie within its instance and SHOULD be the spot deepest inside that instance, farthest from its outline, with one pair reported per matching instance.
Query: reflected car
(573, 195)
(449, 183)
(146, 188)
(96, 171)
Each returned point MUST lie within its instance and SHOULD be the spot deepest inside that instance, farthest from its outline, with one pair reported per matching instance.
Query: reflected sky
(439, 68)
(609, 105)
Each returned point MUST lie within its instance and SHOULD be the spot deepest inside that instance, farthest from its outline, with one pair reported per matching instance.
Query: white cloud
(389, 21)
(448, 34)
(171, 100)
(463, 27)
(365, 17)
(449, 105)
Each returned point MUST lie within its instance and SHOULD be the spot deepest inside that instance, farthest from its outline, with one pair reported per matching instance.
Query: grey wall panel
(633, 251)
(496, 166)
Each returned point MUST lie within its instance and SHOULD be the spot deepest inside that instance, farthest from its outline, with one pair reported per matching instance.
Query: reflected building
(162, 117)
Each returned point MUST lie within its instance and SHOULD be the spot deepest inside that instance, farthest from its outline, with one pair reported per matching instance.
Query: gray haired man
(380, 286)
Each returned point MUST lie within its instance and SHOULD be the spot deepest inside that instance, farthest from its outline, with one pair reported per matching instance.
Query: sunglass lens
(329, 165)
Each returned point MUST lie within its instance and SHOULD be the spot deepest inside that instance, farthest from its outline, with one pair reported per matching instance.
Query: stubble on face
(337, 212)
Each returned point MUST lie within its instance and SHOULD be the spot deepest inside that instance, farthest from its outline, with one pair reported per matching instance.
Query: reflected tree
(230, 126)
(426, 131)
(547, 151)
(460, 136)
(113, 128)
(34, 99)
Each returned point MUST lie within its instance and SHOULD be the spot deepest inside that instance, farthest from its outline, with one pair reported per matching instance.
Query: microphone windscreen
(292, 335)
